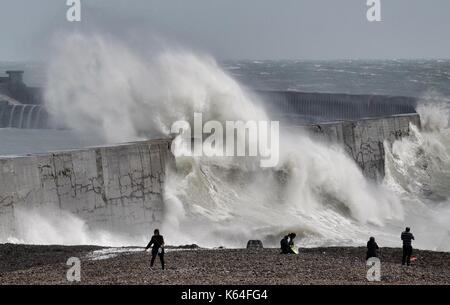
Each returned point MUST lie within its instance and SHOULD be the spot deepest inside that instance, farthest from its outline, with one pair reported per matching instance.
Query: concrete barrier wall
(363, 139)
(115, 188)
(120, 188)
(290, 107)
(324, 107)
(23, 116)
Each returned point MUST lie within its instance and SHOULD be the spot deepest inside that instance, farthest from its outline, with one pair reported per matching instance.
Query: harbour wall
(16, 115)
(116, 188)
(309, 107)
(364, 139)
(120, 188)
(291, 107)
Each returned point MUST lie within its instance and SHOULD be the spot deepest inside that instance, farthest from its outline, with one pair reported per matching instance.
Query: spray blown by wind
(98, 85)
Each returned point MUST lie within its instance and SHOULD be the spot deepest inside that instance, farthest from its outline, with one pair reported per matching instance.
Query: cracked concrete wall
(119, 188)
(114, 188)
(363, 139)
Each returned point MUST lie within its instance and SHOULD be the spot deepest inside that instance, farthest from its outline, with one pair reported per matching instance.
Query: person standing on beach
(407, 238)
(157, 244)
(372, 248)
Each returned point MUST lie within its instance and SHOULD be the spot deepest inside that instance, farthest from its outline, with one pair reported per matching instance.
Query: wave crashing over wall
(101, 86)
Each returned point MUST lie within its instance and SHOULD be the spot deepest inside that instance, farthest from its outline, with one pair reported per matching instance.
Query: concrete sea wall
(23, 116)
(120, 188)
(308, 107)
(114, 188)
(363, 139)
(291, 107)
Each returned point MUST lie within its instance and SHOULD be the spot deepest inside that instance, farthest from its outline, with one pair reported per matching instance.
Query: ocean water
(417, 78)
(389, 77)
(316, 190)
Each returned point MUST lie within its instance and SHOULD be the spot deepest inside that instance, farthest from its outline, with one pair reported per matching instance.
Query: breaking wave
(316, 191)
(49, 225)
(418, 169)
(99, 85)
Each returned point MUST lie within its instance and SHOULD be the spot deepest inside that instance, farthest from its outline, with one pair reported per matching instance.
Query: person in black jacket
(284, 243)
(407, 237)
(372, 248)
(157, 244)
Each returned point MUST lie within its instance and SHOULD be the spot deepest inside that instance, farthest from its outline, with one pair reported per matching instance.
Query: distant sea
(391, 77)
(416, 78)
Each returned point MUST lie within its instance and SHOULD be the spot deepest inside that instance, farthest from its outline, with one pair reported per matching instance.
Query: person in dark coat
(157, 244)
(407, 238)
(284, 243)
(372, 248)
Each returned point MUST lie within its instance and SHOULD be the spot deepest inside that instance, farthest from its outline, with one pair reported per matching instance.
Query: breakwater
(290, 107)
(116, 188)
(364, 140)
(23, 116)
(293, 107)
(120, 188)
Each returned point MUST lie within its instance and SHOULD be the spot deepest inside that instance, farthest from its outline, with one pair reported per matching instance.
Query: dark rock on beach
(23, 264)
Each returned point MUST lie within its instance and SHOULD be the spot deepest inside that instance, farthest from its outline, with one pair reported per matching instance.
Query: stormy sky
(238, 29)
